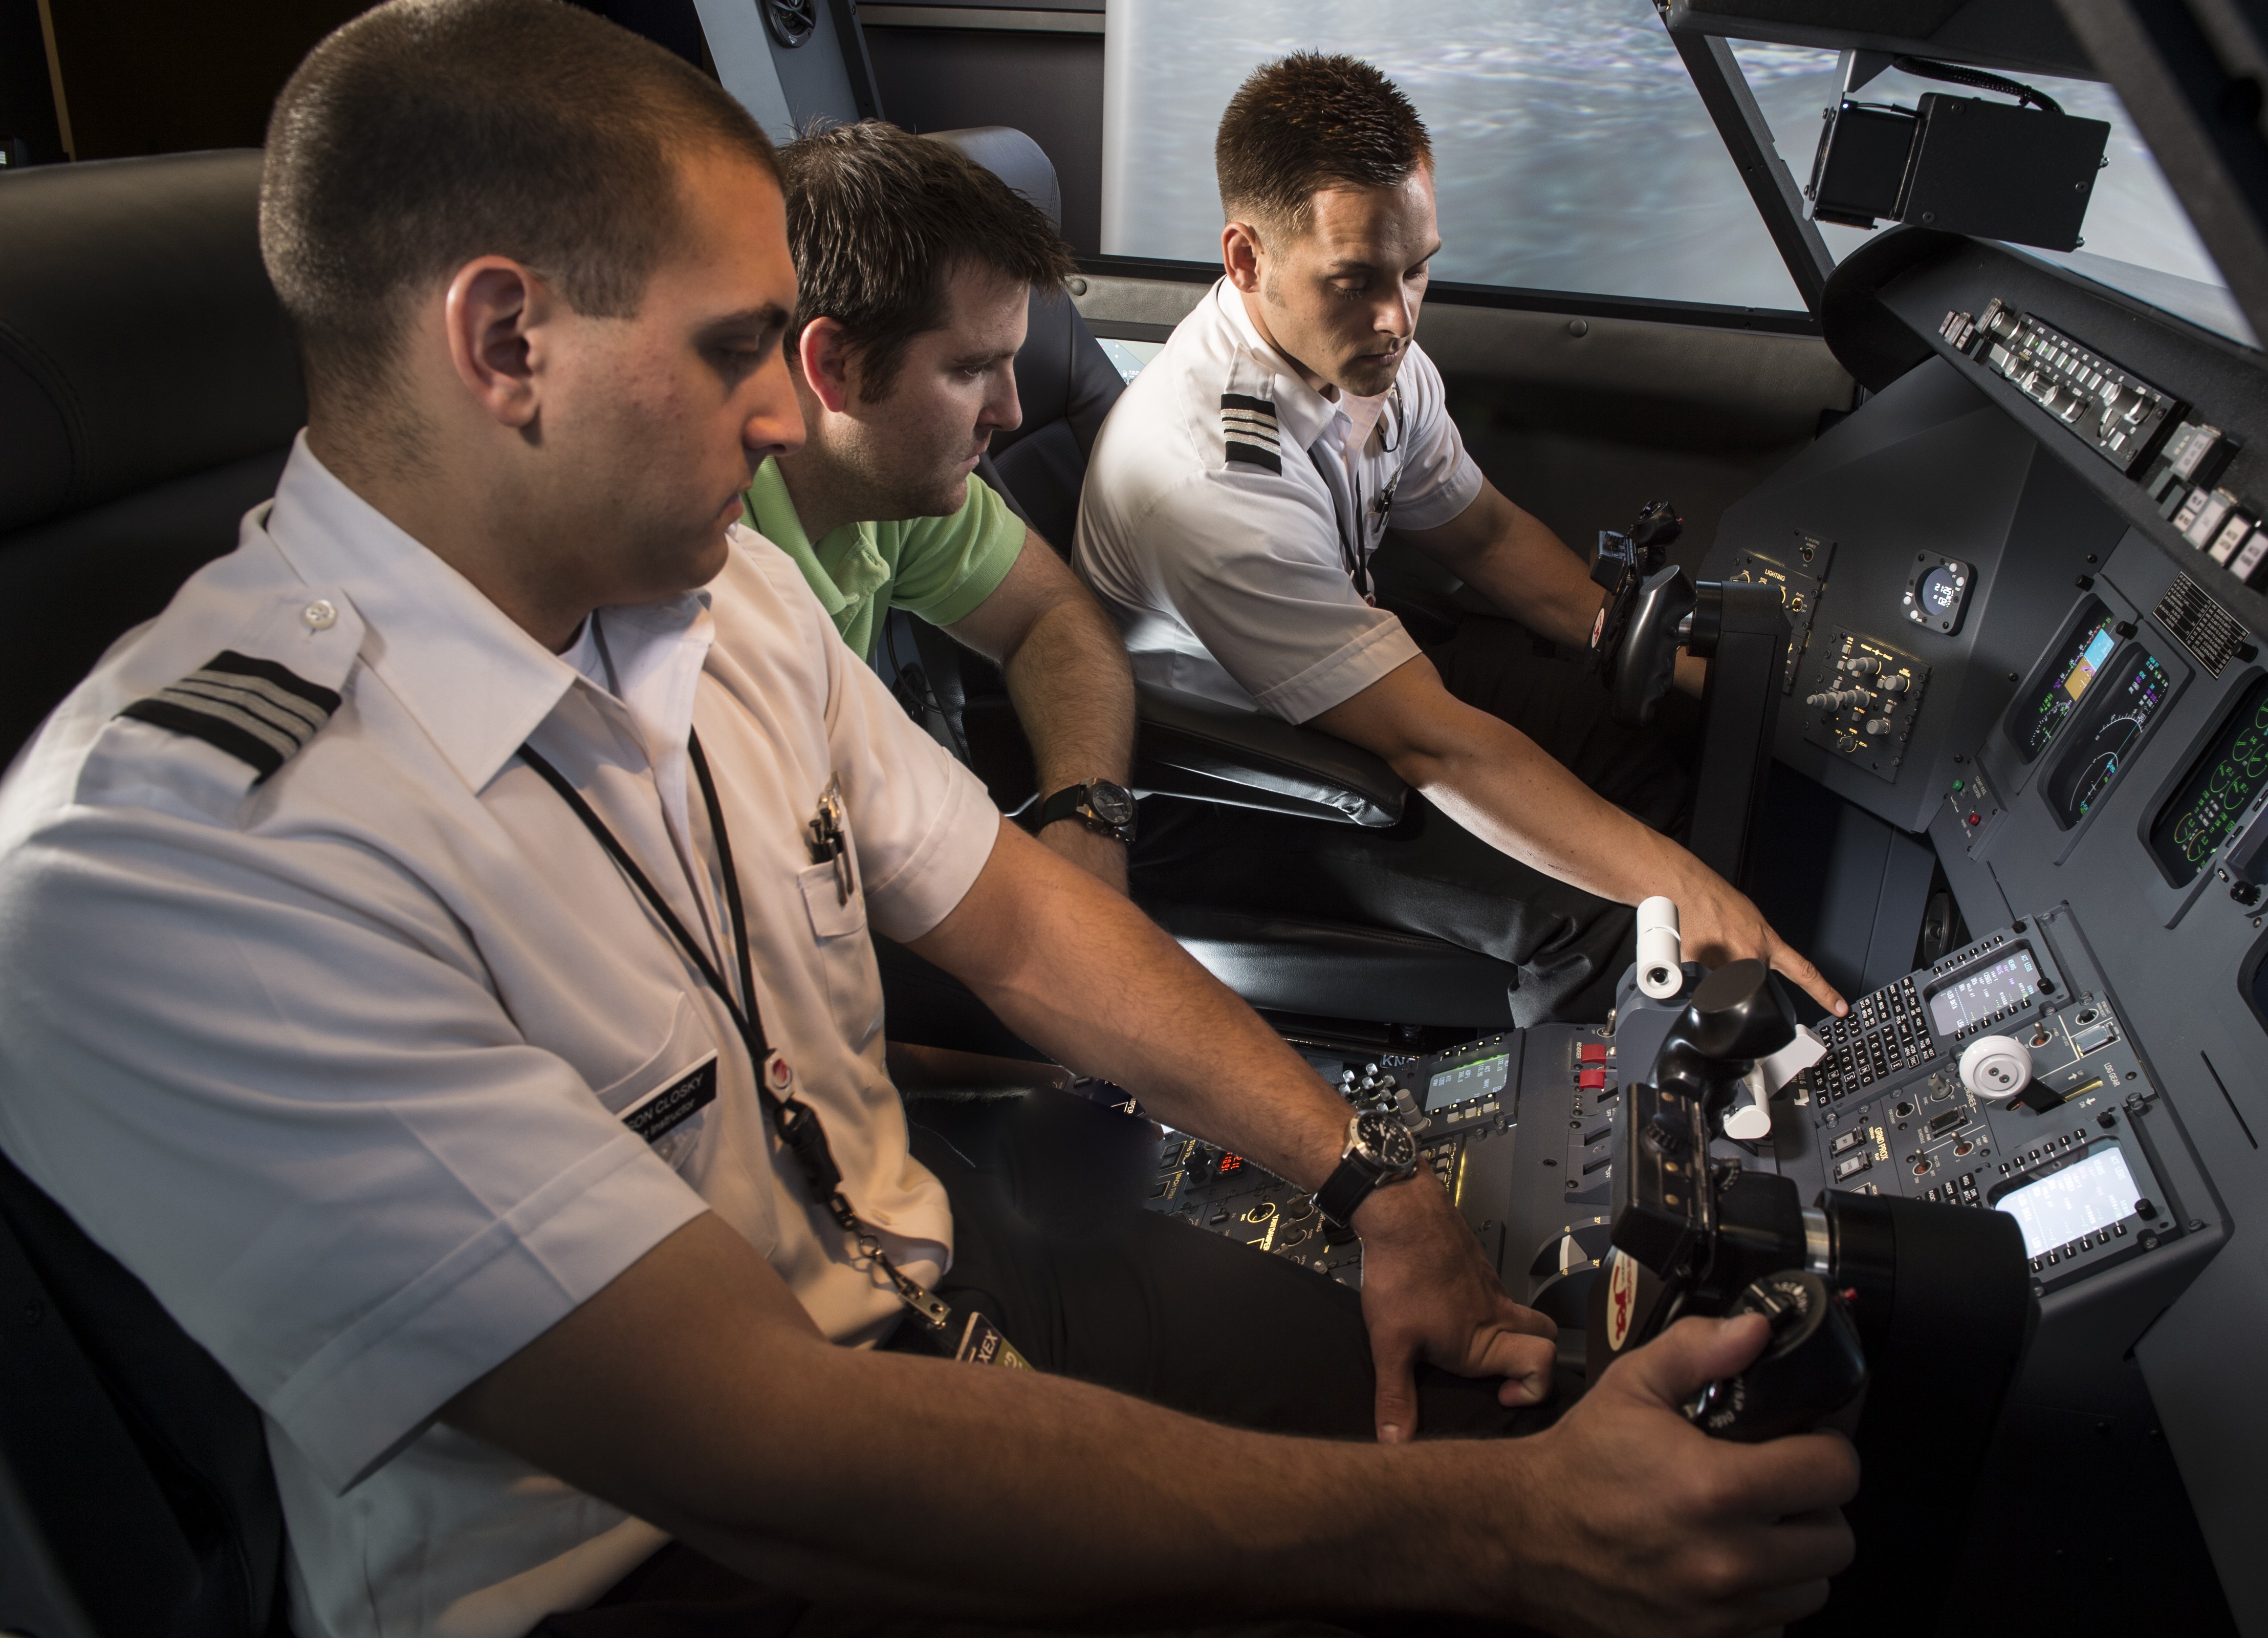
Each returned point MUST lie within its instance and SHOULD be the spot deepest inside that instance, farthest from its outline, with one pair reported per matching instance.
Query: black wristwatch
(1379, 1149)
(1100, 806)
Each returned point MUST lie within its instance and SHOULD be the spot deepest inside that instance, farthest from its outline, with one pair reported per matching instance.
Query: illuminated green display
(2190, 828)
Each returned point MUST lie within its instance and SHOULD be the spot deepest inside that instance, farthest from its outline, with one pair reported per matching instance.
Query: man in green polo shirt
(914, 268)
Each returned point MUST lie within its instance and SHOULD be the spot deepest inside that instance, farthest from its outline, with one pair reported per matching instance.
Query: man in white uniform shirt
(429, 950)
(1232, 507)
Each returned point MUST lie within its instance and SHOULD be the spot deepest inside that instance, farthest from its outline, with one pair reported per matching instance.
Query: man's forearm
(1073, 691)
(1089, 979)
(926, 1484)
(1511, 793)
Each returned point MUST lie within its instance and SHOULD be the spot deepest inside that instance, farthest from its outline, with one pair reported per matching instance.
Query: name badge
(661, 1112)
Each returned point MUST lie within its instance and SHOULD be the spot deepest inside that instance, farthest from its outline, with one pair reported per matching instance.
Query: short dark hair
(1308, 122)
(425, 132)
(878, 219)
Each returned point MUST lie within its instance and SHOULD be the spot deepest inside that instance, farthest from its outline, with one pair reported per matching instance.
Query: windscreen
(1570, 150)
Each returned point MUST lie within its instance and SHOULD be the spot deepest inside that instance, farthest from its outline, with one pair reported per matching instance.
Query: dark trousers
(1051, 1245)
(1430, 874)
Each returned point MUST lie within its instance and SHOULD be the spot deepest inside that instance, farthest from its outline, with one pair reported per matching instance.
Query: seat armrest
(1185, 746)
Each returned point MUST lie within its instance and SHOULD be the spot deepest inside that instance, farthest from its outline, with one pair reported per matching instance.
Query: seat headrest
(140, 340)
(1015, 159)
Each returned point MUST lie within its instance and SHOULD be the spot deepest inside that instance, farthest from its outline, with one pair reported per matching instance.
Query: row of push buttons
(1885, 1032)
(2086, 1242)
(2051, 1149)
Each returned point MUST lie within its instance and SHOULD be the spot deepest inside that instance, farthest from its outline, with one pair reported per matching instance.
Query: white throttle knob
(1996, 1066)
(1660, 969)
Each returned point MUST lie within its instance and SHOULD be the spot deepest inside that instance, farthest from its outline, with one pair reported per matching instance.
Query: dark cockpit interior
(1960, 403)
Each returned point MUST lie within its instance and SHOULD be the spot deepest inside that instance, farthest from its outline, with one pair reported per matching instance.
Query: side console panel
(1928, 479)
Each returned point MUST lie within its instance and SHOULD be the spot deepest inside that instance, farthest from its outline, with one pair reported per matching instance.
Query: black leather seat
(148, 393)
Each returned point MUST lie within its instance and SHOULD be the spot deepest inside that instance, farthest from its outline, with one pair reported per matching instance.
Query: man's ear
(822, 358)
(494, 313)
(1240, 252)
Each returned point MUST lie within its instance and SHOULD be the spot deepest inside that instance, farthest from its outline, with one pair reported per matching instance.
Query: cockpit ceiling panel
(2027, 36)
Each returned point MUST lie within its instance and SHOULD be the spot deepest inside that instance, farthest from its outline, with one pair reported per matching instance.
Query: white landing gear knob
(1660, 969)
(1996, 1067)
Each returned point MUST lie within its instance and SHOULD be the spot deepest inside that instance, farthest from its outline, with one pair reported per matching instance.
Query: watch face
(1386, 1141)
(1113, 804)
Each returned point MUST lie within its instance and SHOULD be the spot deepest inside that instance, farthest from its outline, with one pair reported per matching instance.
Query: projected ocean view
(1571, 149)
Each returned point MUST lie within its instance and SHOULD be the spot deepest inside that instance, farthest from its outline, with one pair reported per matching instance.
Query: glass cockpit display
(1986, 994)
(2075, 669)
(2077, 1200)
(1478, 1079)
(2136, 686)
(2219, 789)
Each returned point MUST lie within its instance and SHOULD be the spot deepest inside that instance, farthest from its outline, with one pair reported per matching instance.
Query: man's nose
(1002, 411)
(1397, 315)
(774, 424)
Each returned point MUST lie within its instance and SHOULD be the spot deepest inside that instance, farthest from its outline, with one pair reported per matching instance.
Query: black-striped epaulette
(258, 712)
(1250, 425)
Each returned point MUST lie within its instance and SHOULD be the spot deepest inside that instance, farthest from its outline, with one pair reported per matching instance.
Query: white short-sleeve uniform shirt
(1230, 514)
(337, 1060)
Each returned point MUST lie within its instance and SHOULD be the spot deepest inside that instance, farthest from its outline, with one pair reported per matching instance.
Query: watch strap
(1347, 1187)
(1070, 802)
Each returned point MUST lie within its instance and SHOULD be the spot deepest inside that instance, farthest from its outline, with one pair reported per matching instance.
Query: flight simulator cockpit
(1902, 362)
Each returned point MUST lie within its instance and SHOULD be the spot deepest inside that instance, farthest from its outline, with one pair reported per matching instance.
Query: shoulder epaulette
(1250, 425)
(258, 712)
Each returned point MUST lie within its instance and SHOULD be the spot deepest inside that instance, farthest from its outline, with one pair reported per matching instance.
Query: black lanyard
(1353, 539)
(795, 1122)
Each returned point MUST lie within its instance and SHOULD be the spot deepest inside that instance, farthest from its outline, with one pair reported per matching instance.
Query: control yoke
(1651, 612)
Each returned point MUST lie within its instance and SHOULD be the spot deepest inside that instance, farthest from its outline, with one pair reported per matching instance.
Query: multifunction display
(1984, 995)
(2081, 1198)
(1478, 1079)
(2074, 671)
(2219, 790)
(2137, 687)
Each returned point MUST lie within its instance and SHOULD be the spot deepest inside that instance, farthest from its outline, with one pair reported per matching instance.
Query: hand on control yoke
(1429, 1294)
(1633, 1520)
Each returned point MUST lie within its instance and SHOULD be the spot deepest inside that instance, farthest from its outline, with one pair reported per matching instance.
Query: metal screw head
(1077, 286)
(1579, 328)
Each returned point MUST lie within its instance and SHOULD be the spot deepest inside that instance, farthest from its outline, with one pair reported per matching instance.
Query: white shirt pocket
(844, 955)
(832, 915)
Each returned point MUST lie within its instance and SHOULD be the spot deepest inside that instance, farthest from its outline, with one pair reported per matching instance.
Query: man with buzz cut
(433, 961)
(1231, 509)
(914, 267)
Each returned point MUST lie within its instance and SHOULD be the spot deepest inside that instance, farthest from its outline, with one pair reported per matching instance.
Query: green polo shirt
(938, 568)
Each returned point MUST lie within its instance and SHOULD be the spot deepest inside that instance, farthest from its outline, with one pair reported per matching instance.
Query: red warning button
(1591, 1080)
(1591, 1052)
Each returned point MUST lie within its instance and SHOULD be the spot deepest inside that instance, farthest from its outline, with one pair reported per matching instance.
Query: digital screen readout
(2081, 663)
(1983, 992)
(2114, 723)
(2094, 1193)
(2214, 798)
(1478, 1079)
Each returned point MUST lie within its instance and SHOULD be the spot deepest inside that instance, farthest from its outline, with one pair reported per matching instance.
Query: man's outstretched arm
(694, 1393)
(1512, 558)
(1507, 790)
(1071, 684)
